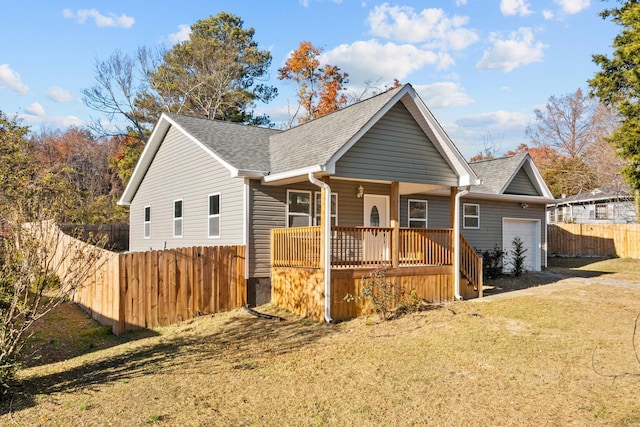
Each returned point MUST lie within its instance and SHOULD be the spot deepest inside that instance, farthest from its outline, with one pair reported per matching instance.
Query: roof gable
(514, 175)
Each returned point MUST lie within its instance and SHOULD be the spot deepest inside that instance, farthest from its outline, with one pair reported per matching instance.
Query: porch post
(452, 206)
(394, 211)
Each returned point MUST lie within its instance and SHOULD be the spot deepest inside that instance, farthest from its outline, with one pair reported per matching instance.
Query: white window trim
(317, 209)
(426, 211)
(145, 222)
(311, 201)
(465, 216)
(181, 218)
(209, 216)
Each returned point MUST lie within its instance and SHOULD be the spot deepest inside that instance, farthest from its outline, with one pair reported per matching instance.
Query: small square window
(417, 213)
(471, 215)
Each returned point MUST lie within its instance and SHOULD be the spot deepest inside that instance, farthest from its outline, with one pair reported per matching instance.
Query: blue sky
(481, 66)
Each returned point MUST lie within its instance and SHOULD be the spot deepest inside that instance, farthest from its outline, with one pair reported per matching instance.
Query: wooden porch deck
(422, 261)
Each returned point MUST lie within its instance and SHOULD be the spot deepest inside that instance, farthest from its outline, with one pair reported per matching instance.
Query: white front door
(376, 211)
(376, 214)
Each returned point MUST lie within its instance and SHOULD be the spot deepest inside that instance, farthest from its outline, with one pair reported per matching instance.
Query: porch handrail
(353, 247)
(295, 247)
(426, 246)
(471, 264)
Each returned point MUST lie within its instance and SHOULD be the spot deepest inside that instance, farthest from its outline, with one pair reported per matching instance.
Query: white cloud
(181, 35)
(461, 2)
(430, 26)
(370, 60)
(508, 54)
(11, 80)
(515, 7)
(547, 14)
(112, 20)
(573, 6)
(59, 94)
(34, 109)
(501, 119)
(443, 95)
(51, 122)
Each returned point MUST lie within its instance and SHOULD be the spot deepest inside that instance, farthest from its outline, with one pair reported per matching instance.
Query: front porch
(414, 258)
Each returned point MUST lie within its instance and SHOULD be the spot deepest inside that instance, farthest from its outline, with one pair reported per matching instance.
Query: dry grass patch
(512, 362)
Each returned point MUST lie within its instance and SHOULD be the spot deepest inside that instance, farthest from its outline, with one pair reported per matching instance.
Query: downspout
(456, 244)
(326, 222)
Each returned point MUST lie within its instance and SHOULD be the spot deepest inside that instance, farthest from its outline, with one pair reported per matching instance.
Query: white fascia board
(510, 198)
(249, 173)
(149, 152)
(293, 173)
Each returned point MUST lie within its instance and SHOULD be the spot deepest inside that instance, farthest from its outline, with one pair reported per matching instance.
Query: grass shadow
(226, 341)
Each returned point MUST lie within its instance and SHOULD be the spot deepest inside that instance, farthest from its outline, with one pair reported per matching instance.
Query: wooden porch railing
(471, 265)
(426, 246)
(295, 247)
(356, 247)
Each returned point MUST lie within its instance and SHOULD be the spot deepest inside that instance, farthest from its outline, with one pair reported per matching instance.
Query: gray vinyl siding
(183, 170)
(396, 149)
(521, 184)
(438, 215)
(491, 214)
(269, 207)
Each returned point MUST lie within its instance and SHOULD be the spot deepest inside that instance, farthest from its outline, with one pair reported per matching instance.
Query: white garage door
(529, 232)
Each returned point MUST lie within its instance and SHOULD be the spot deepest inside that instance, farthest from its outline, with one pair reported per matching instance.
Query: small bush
(492, 260)
(518, 256)
(385, 296)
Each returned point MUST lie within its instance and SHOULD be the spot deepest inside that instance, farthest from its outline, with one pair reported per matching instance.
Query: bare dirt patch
(517, 361)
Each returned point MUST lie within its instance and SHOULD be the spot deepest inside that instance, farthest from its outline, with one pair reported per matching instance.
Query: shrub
(492, 260)
(518, 256)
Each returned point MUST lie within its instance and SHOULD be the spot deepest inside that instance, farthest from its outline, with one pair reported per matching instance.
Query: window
(214, 215)
(298, 208)
(601, 212)
(417, 213)
(471, 214)
(147, 222)
(177, 218)
(318, 208)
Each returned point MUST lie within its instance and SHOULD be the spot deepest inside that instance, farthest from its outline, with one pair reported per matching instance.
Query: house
(319, 205)
(510, 202)
(599, 206)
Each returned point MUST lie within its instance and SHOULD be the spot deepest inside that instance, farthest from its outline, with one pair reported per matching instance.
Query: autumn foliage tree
(319, 86)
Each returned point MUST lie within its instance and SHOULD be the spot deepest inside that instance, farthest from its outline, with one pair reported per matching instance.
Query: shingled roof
(496, 174)
(315, 142)
(243, 147)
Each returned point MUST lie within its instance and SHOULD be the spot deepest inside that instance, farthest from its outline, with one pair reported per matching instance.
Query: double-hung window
(471, 215)
(177, 218)
(417, 213)
(318, 208)
(298, 208)
(602, 212)
(214, 215)
(147, 222)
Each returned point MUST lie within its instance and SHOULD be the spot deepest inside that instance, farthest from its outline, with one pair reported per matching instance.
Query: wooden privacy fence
(604, 240)
(156, 288)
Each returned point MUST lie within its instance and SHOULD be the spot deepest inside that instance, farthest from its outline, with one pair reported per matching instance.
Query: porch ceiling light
(360, 192)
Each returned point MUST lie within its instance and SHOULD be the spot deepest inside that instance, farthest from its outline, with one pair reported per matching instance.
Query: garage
(529, 232)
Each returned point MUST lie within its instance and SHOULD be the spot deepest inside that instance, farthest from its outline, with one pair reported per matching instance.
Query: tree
(617, 85)
(214, 74)
(31, 280)
(319, 87)
(83, 161)
(571, 124)
(570, 134)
